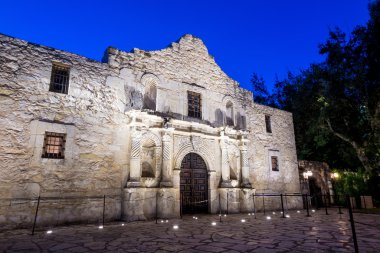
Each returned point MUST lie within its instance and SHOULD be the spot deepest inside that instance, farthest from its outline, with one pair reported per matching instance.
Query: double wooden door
(194, 184)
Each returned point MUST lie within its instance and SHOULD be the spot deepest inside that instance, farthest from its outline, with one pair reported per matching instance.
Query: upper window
(54, 145)
(268, 124)
(274, 161)
(229, 114)
(59, 81)
(194, 104)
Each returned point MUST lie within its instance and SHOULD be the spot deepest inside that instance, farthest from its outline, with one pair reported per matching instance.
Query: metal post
(352, 224)
(220, 210)
(254, 205)
(156, 207)
(324, 198)
(35, 216)
(104, 207)
(282, 206)
(264, 203)
(307, 205)
(180, 204)
(227, 203)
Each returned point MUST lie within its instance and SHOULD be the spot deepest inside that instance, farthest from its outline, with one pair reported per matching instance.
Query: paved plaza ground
(319, 233)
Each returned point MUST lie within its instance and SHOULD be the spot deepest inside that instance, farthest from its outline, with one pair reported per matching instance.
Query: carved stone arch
(234, 161)
(186, 149)
(153, 137)
(151, 155)
(230, 109)
(149, 83)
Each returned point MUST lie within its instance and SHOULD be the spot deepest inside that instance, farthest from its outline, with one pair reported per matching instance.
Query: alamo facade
(150, 130)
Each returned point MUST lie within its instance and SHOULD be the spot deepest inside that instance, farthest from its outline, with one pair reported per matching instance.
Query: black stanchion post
(352, 224)
(220, 210)
(325, 200)
(180, 204)
(254, 205)
(156, 207)
(104, 207)
(227, 203)
(307, 205)
(316, 201)
(282, 206)
(264, 203)
(35, 215)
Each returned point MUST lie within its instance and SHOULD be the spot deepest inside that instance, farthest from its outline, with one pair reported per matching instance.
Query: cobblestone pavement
(319, 233)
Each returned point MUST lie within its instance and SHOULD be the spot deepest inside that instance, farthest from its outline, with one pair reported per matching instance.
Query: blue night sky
(266, 37)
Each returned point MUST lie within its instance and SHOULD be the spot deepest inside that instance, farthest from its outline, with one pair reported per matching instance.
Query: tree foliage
(336, 103)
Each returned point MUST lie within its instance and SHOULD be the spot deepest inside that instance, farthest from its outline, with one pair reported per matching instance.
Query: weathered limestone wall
(90, 115)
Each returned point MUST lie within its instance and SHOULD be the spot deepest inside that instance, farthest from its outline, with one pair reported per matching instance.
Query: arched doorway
(194, 184)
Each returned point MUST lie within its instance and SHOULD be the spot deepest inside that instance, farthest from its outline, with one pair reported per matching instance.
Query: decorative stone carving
(226, 179)
(167, 171)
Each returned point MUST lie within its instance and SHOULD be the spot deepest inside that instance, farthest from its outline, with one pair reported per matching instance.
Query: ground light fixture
(213, 223)
(268, 218)
(175, 227)
(122, 224)
(49, 231)
(243, 220)
(287, 216)
(100, 227)
(298, 211)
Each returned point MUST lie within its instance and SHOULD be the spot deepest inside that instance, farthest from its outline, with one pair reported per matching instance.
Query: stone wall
(109, 106)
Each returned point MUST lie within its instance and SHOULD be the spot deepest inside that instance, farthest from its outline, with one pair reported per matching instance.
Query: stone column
(167, 170)
(135, 161)
(226, 181)
(244, 164)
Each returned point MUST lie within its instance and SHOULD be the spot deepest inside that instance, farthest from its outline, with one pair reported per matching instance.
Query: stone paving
(298, 233)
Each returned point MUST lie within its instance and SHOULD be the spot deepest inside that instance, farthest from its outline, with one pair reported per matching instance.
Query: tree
(336, 103)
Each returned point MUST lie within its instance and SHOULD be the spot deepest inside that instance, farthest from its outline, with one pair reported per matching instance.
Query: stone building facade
(151, 130)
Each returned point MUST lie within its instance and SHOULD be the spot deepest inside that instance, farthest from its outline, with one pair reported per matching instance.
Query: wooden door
(194, 184)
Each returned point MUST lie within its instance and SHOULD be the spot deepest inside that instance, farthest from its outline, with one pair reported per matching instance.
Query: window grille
(59, 81)
(274, 160)
(194, 104)
(268, 124)
(54, 145)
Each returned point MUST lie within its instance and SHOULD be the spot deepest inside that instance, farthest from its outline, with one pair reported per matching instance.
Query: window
(274, 160)
(54, 145)
(268, 124)
(229, 114)
(194, 104)
(59, 81)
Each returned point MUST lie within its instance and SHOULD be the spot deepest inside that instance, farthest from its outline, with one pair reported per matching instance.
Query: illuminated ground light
(243, 220)
(123, 224)
(49, 231)
(213, 223)
(175, 227)
(100, 227)
(249, 213)
(162, 221)
(287, 216)
(167, 221)
(313, 211)
(274, 212)
(281, 212)
(268, 218)
(225, 215)
(298, 211)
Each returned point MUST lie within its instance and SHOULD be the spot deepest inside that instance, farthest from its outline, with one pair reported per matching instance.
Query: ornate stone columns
(226, 180)
(167, 153)
(244, 164)
(135, 163)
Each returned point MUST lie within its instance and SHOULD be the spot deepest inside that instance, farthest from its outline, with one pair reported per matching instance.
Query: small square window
(268, 124)
(54, 145)
(59, 81)
(194, 105)
(274, 161)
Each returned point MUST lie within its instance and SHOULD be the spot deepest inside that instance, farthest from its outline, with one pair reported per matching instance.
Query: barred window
(59, 81)
(54, 145)
(268, 124)
(274, 160)
(194, 104)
